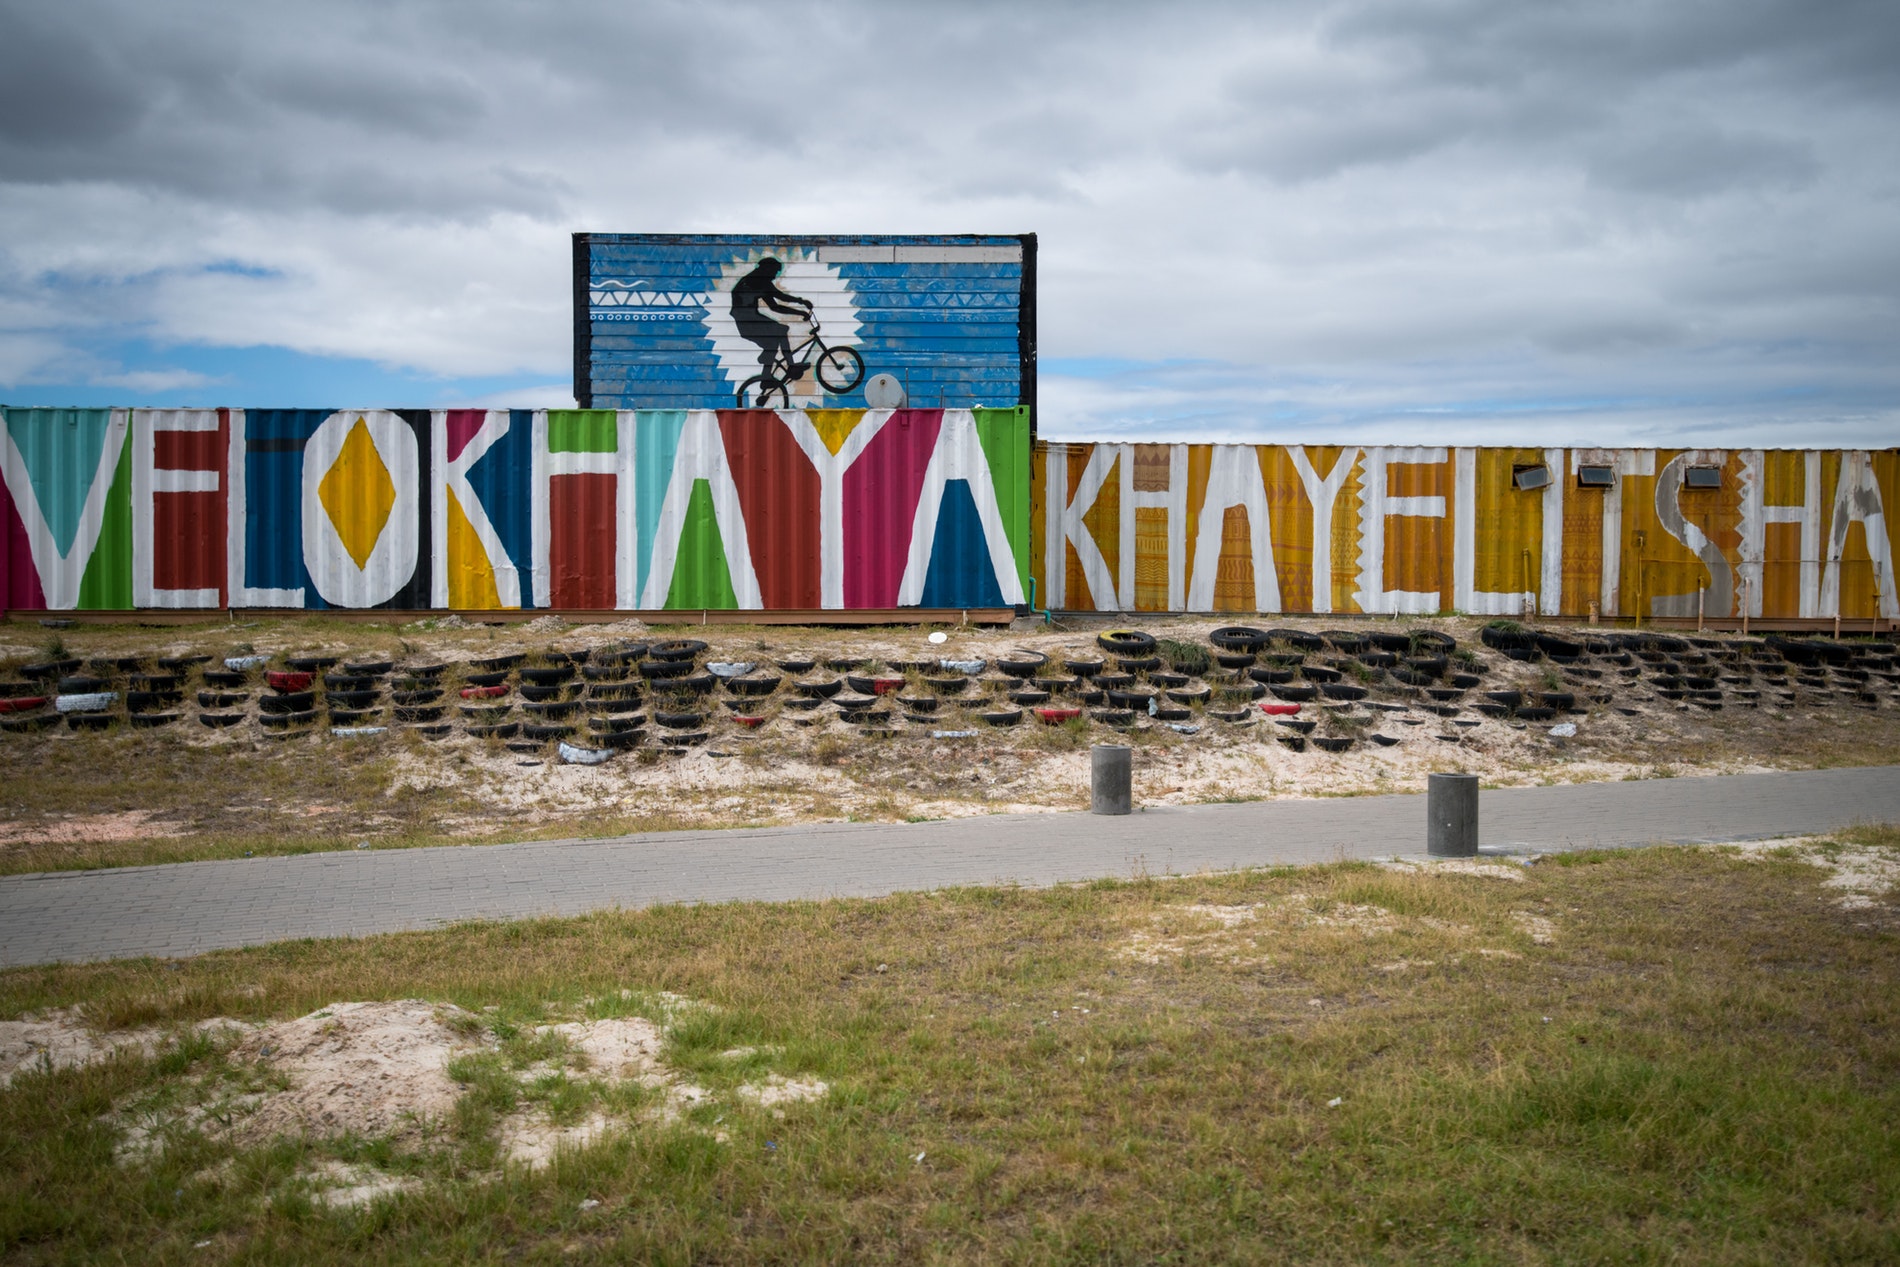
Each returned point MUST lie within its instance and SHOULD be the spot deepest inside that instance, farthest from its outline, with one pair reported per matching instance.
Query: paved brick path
(192, 907)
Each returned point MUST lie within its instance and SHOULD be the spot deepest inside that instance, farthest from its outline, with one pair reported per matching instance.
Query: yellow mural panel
(1778, 533)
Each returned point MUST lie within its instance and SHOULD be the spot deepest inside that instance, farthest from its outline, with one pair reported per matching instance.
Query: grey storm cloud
(1396, 216)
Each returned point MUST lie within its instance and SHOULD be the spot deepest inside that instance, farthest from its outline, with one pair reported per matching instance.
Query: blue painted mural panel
(714, 321)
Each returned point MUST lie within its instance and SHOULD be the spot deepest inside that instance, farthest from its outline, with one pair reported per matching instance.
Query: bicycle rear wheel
(840, 369)
(760, 392)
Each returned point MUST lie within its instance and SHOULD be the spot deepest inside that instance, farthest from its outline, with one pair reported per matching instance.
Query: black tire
(412, 698)
(754, 394)
(543, 733)
(1297, 638)
(820, 690)
(1238, 638)
(496, 663)
(1296, 742)
(81, 684)
(487, 679)
(295, 703)
(846, 370)
(413, 714)
(548, 677)
(676, 649)
(753, 686)
(1126, 642)
(1332, 743)
(218, 721)
(1006, 717)
(51, 669)
(369, 668)
(283, 721)
(499, 730)
(552, 709)
(1138, 664)
(1021, 664)
(1343, 691)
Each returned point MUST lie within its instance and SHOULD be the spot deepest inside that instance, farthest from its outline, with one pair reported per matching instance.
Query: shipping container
(110, 509)
(841, 321)
(1719, 533)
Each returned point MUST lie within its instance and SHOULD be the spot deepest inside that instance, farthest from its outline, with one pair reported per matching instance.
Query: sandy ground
(382, 1070)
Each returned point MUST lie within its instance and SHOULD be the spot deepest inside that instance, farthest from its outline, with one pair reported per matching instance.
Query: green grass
(1703, 1066)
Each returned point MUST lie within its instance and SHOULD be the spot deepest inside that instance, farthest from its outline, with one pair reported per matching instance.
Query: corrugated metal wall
(1278, 528)
(655, 327)
(479, 508)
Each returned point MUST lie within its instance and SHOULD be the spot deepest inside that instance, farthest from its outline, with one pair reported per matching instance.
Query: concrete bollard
(1111, 779)
(1451, 816)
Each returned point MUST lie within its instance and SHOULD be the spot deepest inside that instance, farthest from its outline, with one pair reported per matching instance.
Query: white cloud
(1607, 220)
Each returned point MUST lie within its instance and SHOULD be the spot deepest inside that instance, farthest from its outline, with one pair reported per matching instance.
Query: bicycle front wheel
(840, 369)
(761, 392)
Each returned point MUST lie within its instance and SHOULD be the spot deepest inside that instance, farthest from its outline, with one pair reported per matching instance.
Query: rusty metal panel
(1489, 531)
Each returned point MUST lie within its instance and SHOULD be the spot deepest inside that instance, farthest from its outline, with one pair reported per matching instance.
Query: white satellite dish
(883, 391)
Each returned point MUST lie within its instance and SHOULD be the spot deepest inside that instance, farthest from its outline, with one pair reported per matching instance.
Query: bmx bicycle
(837, 369)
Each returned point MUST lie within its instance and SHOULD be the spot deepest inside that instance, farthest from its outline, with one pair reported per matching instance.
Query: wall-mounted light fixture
(1702, 477)
(1596, 477)
(1530, 478)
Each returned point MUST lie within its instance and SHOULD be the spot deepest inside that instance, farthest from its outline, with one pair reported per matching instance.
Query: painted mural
(111, 509)
(712, 321)
(1499, 531)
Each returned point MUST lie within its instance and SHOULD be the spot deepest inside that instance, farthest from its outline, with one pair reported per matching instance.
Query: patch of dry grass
(1682, 1054)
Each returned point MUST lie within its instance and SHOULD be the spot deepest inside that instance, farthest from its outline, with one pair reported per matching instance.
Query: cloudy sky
(1393, 220)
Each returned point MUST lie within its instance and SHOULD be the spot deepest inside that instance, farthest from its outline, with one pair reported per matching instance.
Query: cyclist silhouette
(751, 295)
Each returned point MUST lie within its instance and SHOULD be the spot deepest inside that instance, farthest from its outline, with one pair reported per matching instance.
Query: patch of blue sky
(138, 372)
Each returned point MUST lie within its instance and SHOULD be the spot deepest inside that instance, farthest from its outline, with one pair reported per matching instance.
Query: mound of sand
(362, 1068)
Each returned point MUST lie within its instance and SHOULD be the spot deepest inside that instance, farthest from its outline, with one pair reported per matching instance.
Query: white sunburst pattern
(804, 275)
